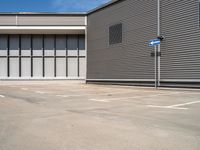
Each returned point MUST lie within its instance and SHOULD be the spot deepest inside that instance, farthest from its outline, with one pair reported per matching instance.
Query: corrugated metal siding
(131, 59)
(42, 20)
(51, 20)
(181, 48)
(7, 20)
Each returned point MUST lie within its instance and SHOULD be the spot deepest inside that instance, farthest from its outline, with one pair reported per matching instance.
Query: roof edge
(112, 2)
(45, 13)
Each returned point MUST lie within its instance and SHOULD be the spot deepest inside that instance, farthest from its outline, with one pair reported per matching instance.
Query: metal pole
(155, 55)
(55, 63)
(158, 34)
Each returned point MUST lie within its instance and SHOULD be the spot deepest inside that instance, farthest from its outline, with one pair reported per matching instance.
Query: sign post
(154, 43)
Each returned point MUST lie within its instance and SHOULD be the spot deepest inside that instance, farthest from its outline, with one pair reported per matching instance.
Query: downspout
(158, 34)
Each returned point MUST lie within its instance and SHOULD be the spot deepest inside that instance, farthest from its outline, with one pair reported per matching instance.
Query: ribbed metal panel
(8, 20)
(40, 20)
(180, 50)
(51, 20)
(130, 59)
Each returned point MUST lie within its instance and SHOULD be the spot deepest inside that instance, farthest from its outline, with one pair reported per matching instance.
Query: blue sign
(154, 42)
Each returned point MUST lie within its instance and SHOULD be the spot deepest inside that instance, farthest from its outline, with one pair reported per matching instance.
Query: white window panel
(49, 67)
(3, 52)
(26, 67)
(3, 67)
(72, 67)
(82, 67)
(82, 53)
(14, 67)
(37, 67)
(60, 67)
(72, 53)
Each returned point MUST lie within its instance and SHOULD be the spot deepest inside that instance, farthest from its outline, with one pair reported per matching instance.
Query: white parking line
(40, 92)
(165, 107)
(176, 106)
(184, 104)
(92, 94)
(2, 96)
(124, 98)
(25, 89)
(99, 100)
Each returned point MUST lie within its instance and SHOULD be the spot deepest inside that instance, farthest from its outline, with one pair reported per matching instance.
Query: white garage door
(42, 57)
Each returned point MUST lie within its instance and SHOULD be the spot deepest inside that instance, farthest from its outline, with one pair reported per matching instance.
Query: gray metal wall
(32, 20)
(180, 59)
(130, 60)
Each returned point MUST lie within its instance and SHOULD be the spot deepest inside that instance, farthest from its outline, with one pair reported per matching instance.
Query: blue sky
(49, 5)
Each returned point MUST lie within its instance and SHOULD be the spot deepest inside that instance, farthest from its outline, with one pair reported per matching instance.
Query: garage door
(42, 56)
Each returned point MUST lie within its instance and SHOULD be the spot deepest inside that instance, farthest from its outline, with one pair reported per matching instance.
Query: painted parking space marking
(2, 96)
(132, 97)
(176, 106)
(166, 107)
(92, 94)
(25, 89)
(40, 92)
(96, 100)
(185, 104)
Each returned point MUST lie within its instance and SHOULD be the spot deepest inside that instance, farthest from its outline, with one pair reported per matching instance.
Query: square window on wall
(115, 34)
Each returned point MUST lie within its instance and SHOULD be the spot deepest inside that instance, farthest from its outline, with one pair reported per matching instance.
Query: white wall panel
(61, 52)
(72, 52)
(72, 67)
(82, 53)
(37, 67)
(82, 67)
(49, 67)
(61, 67)
(14, 67)
(3, 52)
(26, 67)
(3, 67)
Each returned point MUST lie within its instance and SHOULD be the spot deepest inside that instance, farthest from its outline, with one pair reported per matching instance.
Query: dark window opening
(115, 34)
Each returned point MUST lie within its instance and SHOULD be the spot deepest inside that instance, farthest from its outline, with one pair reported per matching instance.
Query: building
(42, 46)
(117, 34)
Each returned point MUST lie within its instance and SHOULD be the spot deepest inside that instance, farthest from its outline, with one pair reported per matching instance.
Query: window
(115, 34)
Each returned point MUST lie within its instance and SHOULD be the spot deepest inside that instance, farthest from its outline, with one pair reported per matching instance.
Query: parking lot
(72, 115)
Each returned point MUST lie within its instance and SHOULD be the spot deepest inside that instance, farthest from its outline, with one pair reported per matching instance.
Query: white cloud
(76, 5)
